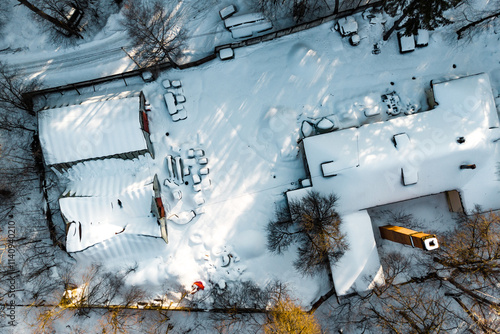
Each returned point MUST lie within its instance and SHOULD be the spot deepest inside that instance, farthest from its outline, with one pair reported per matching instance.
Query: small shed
(422, 38)
(409, 237)
(406, 43)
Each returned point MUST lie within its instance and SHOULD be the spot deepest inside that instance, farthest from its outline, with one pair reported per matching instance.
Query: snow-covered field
(246, 114)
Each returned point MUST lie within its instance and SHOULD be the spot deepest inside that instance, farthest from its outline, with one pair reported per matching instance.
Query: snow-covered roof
(91, 130)
(409, 157)
(348, 25)
(407, 43)
(422, 37)
(359, 269)
(96, 219)
(368, 164)
(131, 247)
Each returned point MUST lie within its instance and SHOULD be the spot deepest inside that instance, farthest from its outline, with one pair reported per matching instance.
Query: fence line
(297, 28)
(162, 66)
(88, 83)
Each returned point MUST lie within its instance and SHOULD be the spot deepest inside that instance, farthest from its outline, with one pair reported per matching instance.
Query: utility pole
(131, 57)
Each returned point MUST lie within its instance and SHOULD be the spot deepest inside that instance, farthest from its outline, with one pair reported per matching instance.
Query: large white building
(451, 147)
(116, 128)
(113, 217)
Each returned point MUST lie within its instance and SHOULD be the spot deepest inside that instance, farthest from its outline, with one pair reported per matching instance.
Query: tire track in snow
(66, 61)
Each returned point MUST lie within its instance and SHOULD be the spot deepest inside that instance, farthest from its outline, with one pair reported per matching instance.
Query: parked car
(227, 12)
(347, 26)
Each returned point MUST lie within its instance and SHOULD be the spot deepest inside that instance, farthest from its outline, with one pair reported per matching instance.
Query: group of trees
(110, 305)
(17, 121)
(28, 257)
(285, 317)
(454, 288)
(470, 20)
(412, 15)
(297, 10)
(89, 295)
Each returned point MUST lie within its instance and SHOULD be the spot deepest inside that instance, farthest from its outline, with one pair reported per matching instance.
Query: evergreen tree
(418, 14)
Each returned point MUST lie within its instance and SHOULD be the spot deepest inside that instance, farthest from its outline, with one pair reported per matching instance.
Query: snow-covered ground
(245, 114)
(31, 51)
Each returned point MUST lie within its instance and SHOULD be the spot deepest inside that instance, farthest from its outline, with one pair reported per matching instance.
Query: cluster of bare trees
(297, 10)
(29, 258)
(242, 306)
(471, 20)
(101, 294)
(245, 306)
(456, 290)
(4, 14)
(414, 15)
(17, 127)
(410, 15)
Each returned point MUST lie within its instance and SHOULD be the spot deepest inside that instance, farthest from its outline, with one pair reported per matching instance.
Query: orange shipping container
(409, 237)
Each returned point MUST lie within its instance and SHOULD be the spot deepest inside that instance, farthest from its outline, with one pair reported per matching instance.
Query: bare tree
(413, 308)
(13, 89)
(65, 21)
(471, 20)
(70, 18)
(156, 31)
(314, 225)
(17, 168)
(469, 262)
(4, 14)
(473, 247)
